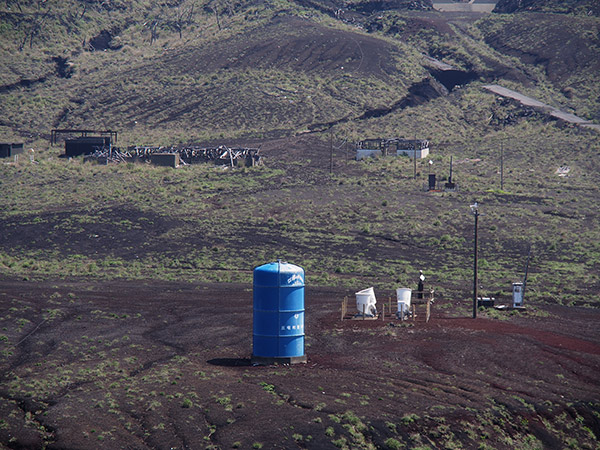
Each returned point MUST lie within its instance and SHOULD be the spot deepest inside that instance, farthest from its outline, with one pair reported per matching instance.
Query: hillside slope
(585, 7)
(275, 78)
(183, 72)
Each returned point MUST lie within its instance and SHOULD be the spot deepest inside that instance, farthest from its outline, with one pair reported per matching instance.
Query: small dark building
(432, 182)
(85, 145)
(8, 150)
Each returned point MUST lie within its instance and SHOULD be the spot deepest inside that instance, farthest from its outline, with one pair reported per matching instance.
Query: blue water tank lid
(279, 273)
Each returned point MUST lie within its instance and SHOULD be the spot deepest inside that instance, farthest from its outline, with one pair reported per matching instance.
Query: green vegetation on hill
(369, 222)
(269, 73)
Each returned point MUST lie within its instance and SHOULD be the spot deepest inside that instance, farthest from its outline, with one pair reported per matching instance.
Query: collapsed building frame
(86, 143)
(415, 148)
(98, 145)
(84, 133)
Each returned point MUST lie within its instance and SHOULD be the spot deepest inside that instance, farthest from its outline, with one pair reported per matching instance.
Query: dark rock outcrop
(103, 41)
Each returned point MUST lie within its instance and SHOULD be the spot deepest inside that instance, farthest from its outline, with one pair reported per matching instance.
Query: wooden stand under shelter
(390, 309)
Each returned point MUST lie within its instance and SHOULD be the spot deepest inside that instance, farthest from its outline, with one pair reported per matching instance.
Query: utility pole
(526, 271)
(475, 212)
(501, 165)
(330, 151)
(415, 163)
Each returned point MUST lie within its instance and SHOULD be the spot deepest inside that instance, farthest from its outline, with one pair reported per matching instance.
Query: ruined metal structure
(221, 155)
(415, 148)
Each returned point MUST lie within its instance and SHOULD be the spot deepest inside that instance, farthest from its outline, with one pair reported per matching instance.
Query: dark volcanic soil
(166, 365)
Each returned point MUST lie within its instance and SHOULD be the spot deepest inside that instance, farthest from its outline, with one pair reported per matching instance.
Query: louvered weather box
(278, 329)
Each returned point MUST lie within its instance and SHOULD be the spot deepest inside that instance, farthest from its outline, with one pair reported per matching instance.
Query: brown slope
(365, 6)
(563, 45)
(291, 43)
(588, 7)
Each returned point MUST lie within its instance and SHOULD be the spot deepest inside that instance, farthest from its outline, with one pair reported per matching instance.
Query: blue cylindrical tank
(278, 330)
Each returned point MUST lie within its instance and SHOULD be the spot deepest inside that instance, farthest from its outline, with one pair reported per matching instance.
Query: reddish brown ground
(163, 365)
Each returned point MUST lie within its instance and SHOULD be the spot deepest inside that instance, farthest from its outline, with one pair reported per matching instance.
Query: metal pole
(476, 213)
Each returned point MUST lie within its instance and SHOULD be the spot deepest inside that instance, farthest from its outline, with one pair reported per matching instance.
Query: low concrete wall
(165, 159)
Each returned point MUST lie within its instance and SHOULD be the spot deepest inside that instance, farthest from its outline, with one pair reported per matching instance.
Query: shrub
(393, 444)
(409, 418)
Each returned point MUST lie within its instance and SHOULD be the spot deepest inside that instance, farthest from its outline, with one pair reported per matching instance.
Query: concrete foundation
(267, 361)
